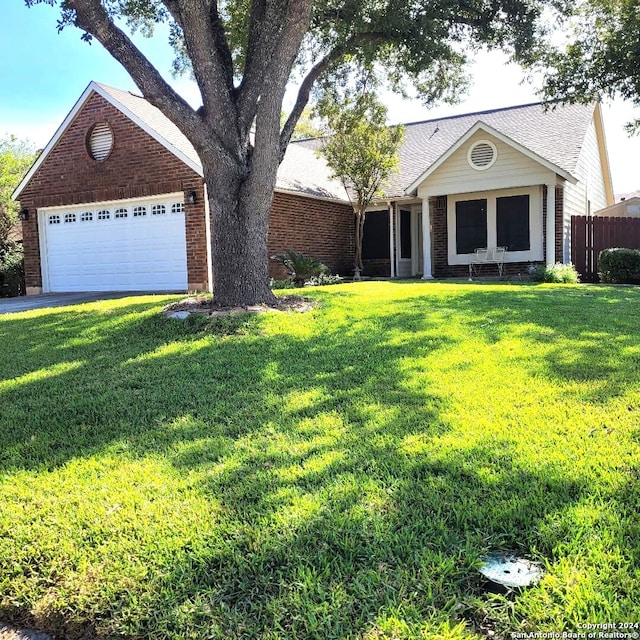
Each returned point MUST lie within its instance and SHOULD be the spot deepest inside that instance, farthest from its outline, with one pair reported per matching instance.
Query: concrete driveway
(26, 303)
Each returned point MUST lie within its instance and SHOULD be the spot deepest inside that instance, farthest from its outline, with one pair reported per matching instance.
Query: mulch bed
(203, 304)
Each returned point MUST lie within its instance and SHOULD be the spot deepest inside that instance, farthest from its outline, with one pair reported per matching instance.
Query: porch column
(426, 239)
(392, 253)
(550, 242)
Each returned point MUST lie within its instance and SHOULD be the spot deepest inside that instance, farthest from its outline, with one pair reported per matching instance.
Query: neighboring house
(117, 201)
(628, 206)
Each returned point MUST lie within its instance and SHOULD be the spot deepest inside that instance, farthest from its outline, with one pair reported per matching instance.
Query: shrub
(11, 270)
(323, 279)
(300, 267)
(281, 284)
(558, 273)
(620, 266)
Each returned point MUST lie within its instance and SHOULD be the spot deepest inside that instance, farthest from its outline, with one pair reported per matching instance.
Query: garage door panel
(86, 253)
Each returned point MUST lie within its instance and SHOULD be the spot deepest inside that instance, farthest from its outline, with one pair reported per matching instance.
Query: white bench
(487, 255)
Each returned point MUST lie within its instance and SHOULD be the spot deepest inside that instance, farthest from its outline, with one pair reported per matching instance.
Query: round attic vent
(482, 155)
(100, 141)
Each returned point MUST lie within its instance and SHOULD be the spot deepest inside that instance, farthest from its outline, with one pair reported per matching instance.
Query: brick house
(117, 201)
(484, 180)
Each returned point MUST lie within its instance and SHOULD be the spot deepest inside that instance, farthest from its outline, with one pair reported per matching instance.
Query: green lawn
(334, 474)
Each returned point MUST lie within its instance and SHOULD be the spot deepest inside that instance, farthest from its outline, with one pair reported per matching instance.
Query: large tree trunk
(240, 211)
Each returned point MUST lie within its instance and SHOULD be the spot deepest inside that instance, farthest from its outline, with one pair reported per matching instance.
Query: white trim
(207, 227)
(311, 196)
(94, 87)
(426, 240)
(473, 147)
(392, 253)
(536, 247)
(481, 126)
(87, 206)
(551, 225)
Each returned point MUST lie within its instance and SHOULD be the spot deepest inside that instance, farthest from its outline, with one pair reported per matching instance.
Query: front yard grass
(334, 474)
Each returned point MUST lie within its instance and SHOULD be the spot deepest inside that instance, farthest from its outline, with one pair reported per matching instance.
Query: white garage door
(122, 246)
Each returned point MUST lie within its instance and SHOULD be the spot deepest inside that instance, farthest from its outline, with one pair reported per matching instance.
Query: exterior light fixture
(24, 214)
(192, 197)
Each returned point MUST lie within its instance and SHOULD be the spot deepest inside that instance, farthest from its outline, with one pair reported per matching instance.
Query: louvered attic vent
(100, 141)
(482, 155)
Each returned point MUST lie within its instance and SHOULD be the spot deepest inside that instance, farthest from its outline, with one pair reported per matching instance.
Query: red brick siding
(137, 166)
(559, 224)
(322, 229)
(441, 266)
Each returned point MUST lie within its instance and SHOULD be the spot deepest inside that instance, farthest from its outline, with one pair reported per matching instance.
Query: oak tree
(601, 56)
(244, 54)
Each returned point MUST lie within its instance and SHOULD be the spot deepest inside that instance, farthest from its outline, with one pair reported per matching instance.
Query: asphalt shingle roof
(556, 134)
(301, 170)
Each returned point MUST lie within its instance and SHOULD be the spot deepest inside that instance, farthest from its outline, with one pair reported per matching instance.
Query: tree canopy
(602, 56)
(16, 156)
(243, 55)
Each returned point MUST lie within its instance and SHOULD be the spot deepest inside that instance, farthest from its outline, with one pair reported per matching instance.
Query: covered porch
(436, 236)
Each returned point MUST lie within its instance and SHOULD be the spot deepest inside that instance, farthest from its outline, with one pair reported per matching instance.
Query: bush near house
(555, 274)
(300, 267)
(11, 270)
(619, 266)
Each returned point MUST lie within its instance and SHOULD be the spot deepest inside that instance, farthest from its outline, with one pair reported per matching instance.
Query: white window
(70, 217)
(86, 216)
(121, 213)
(506, 217)
(159, 209)
(139, 212)
(54, 218)
(105, 214)
(177, 207)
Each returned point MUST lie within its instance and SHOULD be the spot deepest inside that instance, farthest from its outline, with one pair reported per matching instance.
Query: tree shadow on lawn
(343, 552)
(341, 506)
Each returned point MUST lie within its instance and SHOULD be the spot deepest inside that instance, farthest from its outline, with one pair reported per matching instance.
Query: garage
(125, 245)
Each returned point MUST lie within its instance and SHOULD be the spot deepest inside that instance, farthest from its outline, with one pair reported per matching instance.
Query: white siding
(511, 169)
(589, 194)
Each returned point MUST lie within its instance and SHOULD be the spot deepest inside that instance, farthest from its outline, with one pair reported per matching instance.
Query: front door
(409, 241)
(404, 243)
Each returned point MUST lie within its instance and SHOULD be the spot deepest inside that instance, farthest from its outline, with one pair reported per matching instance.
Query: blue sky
(43, 73)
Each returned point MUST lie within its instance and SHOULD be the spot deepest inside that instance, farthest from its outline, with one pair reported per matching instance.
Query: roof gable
(494, 133)
(555, 133)
(178, 145)
(301, 171)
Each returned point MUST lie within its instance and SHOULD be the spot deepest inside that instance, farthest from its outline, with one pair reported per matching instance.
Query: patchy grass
(334, 474)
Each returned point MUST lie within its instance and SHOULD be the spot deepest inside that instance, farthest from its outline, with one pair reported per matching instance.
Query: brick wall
(322, 229)
(441, 268)
(137, 166)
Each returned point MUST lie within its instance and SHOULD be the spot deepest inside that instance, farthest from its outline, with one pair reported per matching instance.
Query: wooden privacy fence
(591, 234)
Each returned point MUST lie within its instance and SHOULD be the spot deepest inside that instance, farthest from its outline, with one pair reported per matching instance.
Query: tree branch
(303, 95)
(211, 62)
(91, 17)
